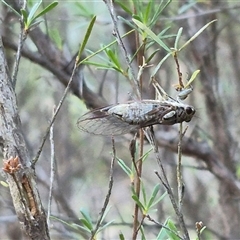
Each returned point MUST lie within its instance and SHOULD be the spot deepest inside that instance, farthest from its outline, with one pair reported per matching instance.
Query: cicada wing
(101, 123)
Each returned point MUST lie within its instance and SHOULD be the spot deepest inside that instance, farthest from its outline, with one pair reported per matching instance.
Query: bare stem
(34, 161)
(179, 170)
(52, 174)
(21, 40)
(163, 178)
(107, 198)
(163, 226)
(138, 187)
(110, 7)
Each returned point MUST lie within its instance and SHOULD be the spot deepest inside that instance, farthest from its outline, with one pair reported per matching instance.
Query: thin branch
(34, 161)
(110, 7)
(163, 178)
(107, 198)
(179, 169)
(52, 174)
(22, 38)
(163, 226)
(136, 225)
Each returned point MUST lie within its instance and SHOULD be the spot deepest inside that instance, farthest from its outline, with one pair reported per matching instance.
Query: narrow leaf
(86, 37)
(193, 77)
(10, 7)
(103, 48)
(158, 11)
(196, 34)
(121, 236)
(24, 15)
(153, 195)
(125, 168)
(147, 12)
(33, 11)
(4, 184)
(156, 69)
(105, 226)
(135, 198)
(46, 9)
(124, 7)
(178, 38)
(151, 34)
(86, 224)
(159, 199)
(87, 219)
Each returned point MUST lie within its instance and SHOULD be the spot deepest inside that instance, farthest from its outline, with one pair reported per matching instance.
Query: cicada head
(183, 113)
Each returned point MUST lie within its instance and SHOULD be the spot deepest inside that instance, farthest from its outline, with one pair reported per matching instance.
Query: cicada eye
(190, 110)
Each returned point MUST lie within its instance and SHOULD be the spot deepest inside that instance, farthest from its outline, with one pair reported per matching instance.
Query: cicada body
(123, 118)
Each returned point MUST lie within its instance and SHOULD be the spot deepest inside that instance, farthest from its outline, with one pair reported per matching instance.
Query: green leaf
(186, 6)
(135, 198)
(86, 37)
(10, 7)
(124, 167)
(193, 77)
(144, 195)
(156, 69)
(121, 236)
(123, 5)
(203, 228)
(144, 157)
(105, 226)
(86, 220)
(147, 12)
(46, 9)
(84, 11)
(171, 234)
(159, 199)
(103, 48)
(128, 23)
(105, 213)
(152, 55)
(143, 237)
(158, 11)
(55, 36)
(4, 184)
(24, 15)
(86, 224)
(163, 232)
(153, 195)
(196, 34)
(33, 11)
(71, 225)
(178, 38)
(151, 34)
(113, 58)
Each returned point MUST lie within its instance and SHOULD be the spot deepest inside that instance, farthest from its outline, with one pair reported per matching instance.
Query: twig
(21, 40)
(163, 226)
(179, 170)
(52, 173)
(138, 187)
(110, 7)
(181, 85)
(34, 161)
(163, 178)
(110, 186)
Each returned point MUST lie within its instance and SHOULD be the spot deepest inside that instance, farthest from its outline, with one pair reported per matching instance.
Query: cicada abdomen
(123, 118)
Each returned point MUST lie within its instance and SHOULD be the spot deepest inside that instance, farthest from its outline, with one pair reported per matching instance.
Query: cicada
(130, 116)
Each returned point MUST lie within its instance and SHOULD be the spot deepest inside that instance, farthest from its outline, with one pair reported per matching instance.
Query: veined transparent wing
(99, 122)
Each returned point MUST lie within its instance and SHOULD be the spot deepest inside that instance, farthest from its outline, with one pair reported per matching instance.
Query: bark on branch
(19, 175)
